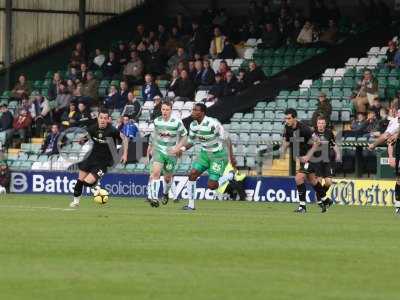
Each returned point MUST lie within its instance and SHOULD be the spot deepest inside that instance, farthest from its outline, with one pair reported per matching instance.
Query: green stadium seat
(261, 106)
(269, 116)
(237, 117)
(258, 115)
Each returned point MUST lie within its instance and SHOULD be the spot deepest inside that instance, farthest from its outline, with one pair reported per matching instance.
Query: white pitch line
(37, 207)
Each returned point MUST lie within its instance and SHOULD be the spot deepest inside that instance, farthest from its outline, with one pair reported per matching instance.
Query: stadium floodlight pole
(82, 16)
(8, 41)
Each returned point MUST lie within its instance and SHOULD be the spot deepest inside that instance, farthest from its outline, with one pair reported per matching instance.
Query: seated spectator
(173, 42)
(50, 146)
(329, 36)
(150, 88)
(82, 74)
(133, 70)
(366, 92)
(255, 75)
(5, 176)
(231, 85)
(55, 85)
(197, 73)
(28, 105)
(358, 126)
(208, 75)
(144, 54)
(324, 109)
(90, 87)
(6, 123)
(241, 79)
(21, 87)
(191, 69)
(62, 101)
(217, 90)
(185, 88)
(71, 86)
(376, 107)
(122, 98)
(42, 114)
(140, 34)
(173, 83)
(217, 43)
(110, 101)
(270, 37)
(79, 53)
(229, 51)
(122, 53)
(223, 68)
(306, 34)
(162, 34)
(156, 65)
(174, 60)
(132, 108)
(84, 117)
(390, 54)
(98, 60)
(112, 67)
(156, 109)
(383, 120)
(72, 74)
(220, 18)
(128, 127)
(70, 117)
(372, 125)
(22, 126)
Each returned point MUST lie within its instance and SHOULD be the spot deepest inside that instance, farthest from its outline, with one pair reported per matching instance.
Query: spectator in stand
(372, 125)
(133, 70)
(329, 36)
(79, 52)
(42, 113)
(77, 94)
(111, 67)
(173, 83)
(162, 34)
(49, 146)
(156, 109)
(217, 43)
(132, 108)
(376, 107)
(156, 60)
(173, 42)
(359, 125)
(71, 86)
(285, 22)
(27, 105)
(6, 123)
(72, 74)
(390, 54)
(185, 88)
(229, 51)
(128, 127)
(90, 87)
(324, 108)
(21, 87)
(70, 117)
(223, 68)
(140, 34)
(22, 126)
(221, 19)
(98, 60)
(270, 37)
(55, 86)
(110, 101)
(217, 90)
(208, 75)
(144, 54)
(198, 72)
(333, 10)
(191, 69)
(122, 53)
(254, 12)
(198, 42)
(241, 79)
(306, 34)
(366, 92)
(5, 176)
(255, 75)
(62, 101)
(82, 73)
(231, 86)
(150, 88)
(122, 95)
(180, 56)
(84, 117)
(383, 120)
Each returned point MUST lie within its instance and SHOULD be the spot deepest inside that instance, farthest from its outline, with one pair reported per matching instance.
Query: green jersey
(167, 133)
(209, 133)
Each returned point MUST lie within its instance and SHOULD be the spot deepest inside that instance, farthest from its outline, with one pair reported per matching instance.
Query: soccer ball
(100, 196)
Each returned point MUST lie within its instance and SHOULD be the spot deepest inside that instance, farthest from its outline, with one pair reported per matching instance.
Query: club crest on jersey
(165, 134)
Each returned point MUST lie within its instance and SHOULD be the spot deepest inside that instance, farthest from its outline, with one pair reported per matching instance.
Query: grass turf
(224, 250)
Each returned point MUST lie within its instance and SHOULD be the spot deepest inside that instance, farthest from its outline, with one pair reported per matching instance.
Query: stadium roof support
(7, 42)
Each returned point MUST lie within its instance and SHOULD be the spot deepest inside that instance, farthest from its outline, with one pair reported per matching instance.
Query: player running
(168, 132)
(102, 134)
(299, 136)
(213, 156)
(394, 161)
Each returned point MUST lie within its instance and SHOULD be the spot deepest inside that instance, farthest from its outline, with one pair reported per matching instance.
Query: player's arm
(391, 158)
(228, 144)
(310, 138)
(125, 145)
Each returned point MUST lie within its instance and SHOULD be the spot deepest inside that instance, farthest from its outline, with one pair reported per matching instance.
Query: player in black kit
(299, 136)
(394, 161)
(100, 158)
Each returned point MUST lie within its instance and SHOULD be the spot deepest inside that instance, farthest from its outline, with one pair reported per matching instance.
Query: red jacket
(21, 122)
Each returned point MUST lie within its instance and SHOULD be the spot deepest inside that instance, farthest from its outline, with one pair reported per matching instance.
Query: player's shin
(322, 199)
(78, 190)
(166, 186)
(301, 189)
(397, 197)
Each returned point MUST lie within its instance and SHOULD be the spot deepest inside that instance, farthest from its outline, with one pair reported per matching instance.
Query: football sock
(397, 195)
(320, 192)
(225, 178)
(173, 190)
(78, 188)
(191, 187)
(149, 190)
(166, 187)
(155, 188)
(301, 189)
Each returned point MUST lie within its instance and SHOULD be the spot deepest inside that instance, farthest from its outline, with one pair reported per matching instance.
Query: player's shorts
(212, 162)
(324, 169)
(306, 168)
(168, 162)
(93, 167)
(397, 168)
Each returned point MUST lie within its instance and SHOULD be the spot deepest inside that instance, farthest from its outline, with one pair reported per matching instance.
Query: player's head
(103, 118)
(166, 109)
(321, 123)
(290, 117)
(199, 111)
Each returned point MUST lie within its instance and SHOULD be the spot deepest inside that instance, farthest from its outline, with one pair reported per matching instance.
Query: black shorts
(324, 169)
(306, 168)
(93, 167)
(397, 168)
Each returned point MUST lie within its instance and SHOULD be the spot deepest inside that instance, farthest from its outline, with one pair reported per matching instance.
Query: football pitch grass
(224, 250)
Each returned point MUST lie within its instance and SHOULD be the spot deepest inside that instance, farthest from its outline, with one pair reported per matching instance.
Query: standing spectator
(366, 92)
(79, 53)
(306, 34)
(6, 123)
(111, 67)
(324, 108)
(21, 87)
(122, 98)
(110, 101)
(98, 60)
(150, 88)
(180, 56)
(208, 75)
(82, 73)
(270, 37)
(62, 101)
(84, 117)
(185, 88)
(90, 87)
(42, 114)
(134, 69)
(390, 54)
(156, 109)
(217, 43)
(49, 146)
(5, 176)
(285, 22)
(132, 108)
(22, 125)
(70, 117)
(198, 41)
(231, 85)
(255, 75)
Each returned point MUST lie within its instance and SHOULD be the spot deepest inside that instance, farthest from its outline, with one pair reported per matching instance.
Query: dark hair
(292, 112)
(166, 102)
(202, 107)
(321, 117)
(104, 111)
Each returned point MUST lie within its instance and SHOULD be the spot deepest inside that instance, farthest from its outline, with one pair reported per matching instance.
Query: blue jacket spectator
(128, 128)
(150, 89)
(49, 146)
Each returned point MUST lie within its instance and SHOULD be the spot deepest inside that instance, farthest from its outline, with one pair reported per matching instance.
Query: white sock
(191, 186)
(149, 189)
(166, 187)
(155, 188)
(225, 178)
(396, 204)
(173, 190)
(77, 199)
